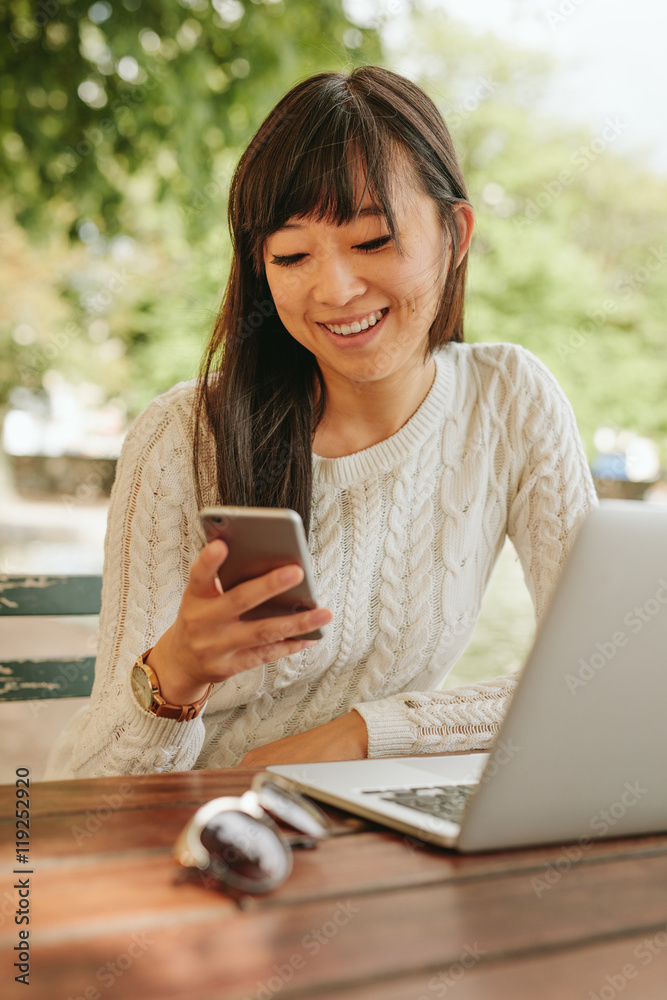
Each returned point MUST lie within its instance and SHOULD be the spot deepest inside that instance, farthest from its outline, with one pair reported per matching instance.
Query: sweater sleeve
(554, 488)
(149, 547)
(551, 492)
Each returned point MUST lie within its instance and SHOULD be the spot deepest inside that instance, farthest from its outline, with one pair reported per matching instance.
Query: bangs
(320, 166)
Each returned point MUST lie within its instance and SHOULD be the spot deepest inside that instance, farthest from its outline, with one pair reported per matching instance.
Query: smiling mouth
(358, 325)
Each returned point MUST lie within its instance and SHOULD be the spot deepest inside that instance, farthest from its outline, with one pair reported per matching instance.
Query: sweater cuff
(159, 736)
(390, 733)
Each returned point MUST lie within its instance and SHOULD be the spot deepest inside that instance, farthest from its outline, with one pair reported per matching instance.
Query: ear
(465, 218)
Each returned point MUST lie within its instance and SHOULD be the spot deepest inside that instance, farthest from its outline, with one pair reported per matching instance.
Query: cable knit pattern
(403, 538)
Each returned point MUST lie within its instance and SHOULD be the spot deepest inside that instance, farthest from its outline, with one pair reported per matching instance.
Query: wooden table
(365, 916)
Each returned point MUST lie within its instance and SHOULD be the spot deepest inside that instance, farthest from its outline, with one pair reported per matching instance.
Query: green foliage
(114, 247)
(120, 126)
(93, 94)
(569, 256)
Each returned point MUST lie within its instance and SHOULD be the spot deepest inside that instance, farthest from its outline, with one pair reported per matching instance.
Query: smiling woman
(336, 383)
(368, 157)
(364, 308)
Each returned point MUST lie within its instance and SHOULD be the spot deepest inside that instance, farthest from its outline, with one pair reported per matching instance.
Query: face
(348, 296)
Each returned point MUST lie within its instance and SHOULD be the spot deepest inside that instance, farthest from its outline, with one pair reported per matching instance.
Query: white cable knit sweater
(403, 539)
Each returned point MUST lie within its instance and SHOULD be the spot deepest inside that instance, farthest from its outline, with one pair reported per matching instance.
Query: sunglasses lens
(290, 807)
(245, 853)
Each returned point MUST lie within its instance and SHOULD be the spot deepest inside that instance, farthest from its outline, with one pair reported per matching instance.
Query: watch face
(142, 688)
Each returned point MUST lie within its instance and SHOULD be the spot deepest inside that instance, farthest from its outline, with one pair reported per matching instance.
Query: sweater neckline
(408, 439)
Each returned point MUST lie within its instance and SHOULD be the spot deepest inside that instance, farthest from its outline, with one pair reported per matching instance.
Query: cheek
(287, 303)
(287, 288)
(419, 277)
(277, 287)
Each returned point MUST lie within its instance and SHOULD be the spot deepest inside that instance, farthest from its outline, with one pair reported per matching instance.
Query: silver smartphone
(261, 539)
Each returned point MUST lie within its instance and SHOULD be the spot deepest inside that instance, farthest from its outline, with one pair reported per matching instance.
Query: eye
(372, 245)
(287, 261)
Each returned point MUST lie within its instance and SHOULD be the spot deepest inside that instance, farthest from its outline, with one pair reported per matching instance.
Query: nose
(336, 280)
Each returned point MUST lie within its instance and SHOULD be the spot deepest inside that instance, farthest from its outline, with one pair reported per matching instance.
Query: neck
(361, 414)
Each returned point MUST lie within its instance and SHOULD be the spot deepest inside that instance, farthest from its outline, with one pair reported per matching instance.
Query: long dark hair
(258, 390)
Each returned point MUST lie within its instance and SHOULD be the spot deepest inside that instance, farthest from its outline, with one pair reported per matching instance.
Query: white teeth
(360, 324)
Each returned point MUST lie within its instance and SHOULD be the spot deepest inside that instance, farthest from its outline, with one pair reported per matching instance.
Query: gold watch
(146, 689)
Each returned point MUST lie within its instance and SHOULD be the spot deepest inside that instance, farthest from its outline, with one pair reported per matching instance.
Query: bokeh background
(120, 125)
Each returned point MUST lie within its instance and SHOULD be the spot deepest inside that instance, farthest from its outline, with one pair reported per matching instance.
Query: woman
(336, 383)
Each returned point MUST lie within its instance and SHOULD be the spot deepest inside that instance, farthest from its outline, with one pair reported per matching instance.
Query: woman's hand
(209, 643)
(344, 738)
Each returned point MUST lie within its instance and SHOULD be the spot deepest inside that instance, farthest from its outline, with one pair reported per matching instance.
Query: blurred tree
(93, 93)
(119, 130)
(569, 257)
(120, 126)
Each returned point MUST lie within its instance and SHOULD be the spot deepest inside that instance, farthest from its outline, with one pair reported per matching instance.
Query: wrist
(360, 730)
(175, 686)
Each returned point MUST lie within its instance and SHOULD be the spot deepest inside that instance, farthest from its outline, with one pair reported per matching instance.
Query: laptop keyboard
(445, 802)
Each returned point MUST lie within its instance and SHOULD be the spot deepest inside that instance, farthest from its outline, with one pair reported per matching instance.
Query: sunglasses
(238, 842)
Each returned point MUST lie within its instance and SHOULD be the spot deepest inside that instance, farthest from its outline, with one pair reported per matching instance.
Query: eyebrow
(370, 210)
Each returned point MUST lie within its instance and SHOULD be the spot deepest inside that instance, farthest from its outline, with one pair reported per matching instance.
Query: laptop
(582, 751)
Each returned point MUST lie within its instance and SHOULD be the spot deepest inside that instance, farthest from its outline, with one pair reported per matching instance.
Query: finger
(220, 642)
(267, 631)
(260, 655)
(250, 594)
(204, 580)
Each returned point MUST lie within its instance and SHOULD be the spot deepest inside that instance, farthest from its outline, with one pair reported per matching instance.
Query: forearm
(344, 738)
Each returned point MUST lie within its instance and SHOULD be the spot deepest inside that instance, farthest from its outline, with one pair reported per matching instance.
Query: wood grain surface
(368, 914)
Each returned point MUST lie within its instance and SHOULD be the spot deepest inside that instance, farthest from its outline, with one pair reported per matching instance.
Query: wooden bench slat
(25, 680)
(50, 595)
(45, 678)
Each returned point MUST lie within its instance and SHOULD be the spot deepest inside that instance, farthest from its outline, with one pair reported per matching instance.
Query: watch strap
(159, 706)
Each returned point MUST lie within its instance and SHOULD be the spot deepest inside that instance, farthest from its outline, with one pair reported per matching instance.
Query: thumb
(204, 580)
